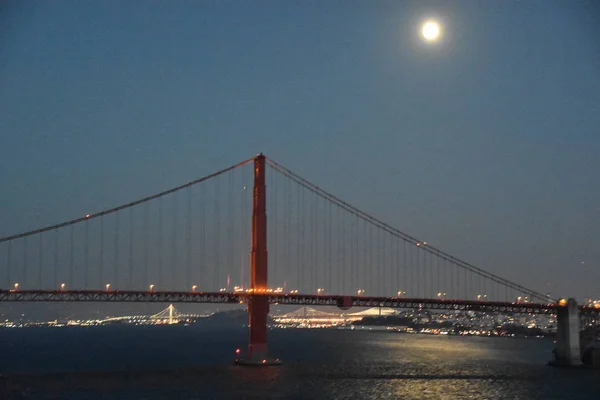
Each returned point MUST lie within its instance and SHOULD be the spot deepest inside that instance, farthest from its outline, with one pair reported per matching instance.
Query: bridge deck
(276, 298)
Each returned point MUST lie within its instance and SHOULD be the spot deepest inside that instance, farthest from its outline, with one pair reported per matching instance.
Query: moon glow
(431, 31)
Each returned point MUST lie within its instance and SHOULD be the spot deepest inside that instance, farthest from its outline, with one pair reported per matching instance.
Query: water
(177, 362)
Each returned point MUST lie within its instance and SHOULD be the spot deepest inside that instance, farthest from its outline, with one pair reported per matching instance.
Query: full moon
(431, 31)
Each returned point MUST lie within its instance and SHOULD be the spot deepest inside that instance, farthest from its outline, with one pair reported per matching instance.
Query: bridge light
(16, 285)
(87, 215)
(194, 288)
(562, 302)
(62, 286)
(237, 351)
(151, 287)
(107, 287)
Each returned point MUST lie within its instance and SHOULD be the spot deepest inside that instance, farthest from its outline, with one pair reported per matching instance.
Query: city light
(295, 291)
(107, 287)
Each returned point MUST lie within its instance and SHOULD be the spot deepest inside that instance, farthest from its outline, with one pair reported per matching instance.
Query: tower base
(257, 357)
(265, 362)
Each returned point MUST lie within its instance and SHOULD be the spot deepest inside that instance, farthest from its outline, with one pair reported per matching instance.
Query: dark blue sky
(486, 144)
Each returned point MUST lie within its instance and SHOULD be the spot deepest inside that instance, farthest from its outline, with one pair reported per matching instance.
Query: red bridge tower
(258, 302)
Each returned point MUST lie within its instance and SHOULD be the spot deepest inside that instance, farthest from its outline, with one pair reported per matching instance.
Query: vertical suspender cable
(217, 266)
(145, 245)
(40, 261)
(174, 267)
(201, 267)
(288, 225)
(9, 263)
(302, 246)
(316, 240)
(230, 239)
(188, 240)
(341, 259)
(116, 260)
(130, 280)
(298, 244)
(25, 260)
(405, 281)
(86, 256)
(437, 269)
(71, 257)
(56, 257)
(159, 240)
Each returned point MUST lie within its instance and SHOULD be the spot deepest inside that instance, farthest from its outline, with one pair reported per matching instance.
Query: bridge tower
(258, 305)
(567, 351)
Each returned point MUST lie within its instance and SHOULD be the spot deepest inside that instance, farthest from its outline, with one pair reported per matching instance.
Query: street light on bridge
(107, 287)
(194, 288)
(360, 291)
(401, 293)
(151, 287)
(319, 291)
(16, 286)
(62, 286)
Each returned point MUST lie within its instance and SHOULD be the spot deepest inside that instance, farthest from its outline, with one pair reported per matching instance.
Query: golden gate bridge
(185, 244)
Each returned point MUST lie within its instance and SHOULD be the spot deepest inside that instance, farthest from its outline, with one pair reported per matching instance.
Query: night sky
(486, 143)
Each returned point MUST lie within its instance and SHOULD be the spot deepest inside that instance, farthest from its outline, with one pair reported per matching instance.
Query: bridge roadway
(280, 298)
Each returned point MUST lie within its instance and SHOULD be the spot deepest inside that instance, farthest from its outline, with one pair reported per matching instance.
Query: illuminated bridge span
(169, 315)
(191, 244)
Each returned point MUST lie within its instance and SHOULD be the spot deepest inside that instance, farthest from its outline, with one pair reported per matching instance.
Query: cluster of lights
(360, 292)
(483, 296)
(593, 303)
